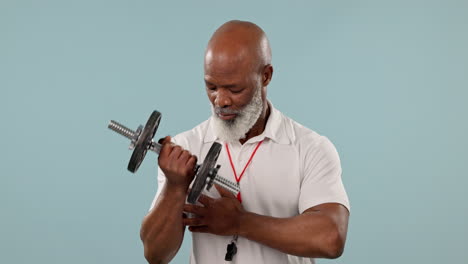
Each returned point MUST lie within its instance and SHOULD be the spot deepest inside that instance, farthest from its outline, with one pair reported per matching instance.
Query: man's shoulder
(309, 142)
(299, 133)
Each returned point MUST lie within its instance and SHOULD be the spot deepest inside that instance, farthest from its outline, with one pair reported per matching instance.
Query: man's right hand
(177, 164)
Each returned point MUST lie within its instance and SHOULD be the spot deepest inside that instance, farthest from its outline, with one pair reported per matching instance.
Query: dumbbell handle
(227, 184)
(132, 135)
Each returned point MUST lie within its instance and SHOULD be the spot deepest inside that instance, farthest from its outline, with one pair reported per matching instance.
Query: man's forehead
(227, 54)
(226, 63)
(223, 80)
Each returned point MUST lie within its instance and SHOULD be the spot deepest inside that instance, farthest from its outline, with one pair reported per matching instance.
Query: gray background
(386, 81)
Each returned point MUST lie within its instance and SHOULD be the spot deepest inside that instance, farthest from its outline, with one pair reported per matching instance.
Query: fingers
(224, 192)
(166, 146)
(205, 200)
(180, 154)
(164, 140)
(176, 163)
(193, 221)
(196, 209)
(184, 156)
(199, 229)
(199, 211)
(169, 147)
(192, 161)
(175, 152)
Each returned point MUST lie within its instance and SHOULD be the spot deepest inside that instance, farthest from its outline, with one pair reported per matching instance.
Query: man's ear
(267, 75)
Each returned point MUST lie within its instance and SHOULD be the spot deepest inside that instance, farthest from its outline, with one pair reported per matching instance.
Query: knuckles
(174, 161)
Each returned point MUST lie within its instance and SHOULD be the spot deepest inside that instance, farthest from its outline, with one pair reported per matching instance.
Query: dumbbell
(141, 140)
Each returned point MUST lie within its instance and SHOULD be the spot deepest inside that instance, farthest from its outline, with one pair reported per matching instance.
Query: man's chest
(269, 183)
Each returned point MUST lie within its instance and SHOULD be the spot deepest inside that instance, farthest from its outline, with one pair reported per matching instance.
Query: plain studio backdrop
(386, 81)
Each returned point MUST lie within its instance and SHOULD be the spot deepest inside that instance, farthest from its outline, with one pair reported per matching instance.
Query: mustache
(225, 111)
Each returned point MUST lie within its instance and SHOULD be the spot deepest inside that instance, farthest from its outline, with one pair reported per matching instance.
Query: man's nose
(223, 98)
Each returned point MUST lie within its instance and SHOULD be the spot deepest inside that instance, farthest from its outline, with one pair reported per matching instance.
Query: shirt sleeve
(321, 182)
(161, 180)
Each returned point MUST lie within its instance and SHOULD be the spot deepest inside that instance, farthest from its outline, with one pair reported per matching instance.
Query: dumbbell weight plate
(200, 179)
(144, 141)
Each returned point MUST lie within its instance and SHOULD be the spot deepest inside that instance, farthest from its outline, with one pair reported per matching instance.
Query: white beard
(237, 128)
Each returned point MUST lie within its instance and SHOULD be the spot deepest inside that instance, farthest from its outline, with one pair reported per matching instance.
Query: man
(292, 205)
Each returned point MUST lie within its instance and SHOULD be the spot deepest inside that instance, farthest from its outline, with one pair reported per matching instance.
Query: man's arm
(162, 230)
(319, 232)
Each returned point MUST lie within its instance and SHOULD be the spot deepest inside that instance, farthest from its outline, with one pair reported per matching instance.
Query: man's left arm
(319, 232)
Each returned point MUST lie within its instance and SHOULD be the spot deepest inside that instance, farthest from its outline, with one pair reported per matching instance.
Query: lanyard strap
(246, 165)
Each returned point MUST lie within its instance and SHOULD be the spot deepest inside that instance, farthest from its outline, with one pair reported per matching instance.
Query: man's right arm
(162, 230)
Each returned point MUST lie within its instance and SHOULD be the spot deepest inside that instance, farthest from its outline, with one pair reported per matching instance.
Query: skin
(237, 61)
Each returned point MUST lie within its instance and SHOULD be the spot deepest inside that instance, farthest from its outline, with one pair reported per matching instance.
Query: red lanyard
(246, 165)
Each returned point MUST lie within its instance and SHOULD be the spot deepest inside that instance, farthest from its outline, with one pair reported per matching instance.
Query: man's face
(235, 92)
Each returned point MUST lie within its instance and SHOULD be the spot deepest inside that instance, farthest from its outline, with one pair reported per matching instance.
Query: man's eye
(236, 91)
(211, 88)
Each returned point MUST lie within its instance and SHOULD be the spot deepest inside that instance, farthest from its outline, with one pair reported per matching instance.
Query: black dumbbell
(142, 140)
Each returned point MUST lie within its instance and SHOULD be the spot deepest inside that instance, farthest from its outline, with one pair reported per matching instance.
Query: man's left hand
(220, 216)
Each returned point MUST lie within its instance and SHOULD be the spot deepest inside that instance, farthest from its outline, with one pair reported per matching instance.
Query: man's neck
(259, 126)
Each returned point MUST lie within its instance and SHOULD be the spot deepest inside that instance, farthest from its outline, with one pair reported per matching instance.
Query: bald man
(292, 206)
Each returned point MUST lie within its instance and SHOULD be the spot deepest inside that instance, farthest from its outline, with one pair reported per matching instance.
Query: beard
(235, 129)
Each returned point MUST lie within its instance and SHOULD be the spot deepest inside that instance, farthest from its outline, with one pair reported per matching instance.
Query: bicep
(337, 214)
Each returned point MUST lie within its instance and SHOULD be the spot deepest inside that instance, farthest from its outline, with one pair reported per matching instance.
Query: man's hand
(220, 216)
(177, 164)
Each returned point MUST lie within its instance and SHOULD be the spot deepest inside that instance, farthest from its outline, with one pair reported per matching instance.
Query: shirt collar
(274, 129)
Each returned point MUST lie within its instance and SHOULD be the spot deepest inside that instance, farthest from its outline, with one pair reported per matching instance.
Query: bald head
(239, 44)
(237, 72)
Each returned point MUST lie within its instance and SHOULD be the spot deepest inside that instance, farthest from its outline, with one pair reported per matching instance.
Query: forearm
(162, 230)
(311, 234)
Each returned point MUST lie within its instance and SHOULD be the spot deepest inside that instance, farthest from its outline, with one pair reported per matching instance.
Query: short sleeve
(161, 179)
(161, 182)
(321, 181)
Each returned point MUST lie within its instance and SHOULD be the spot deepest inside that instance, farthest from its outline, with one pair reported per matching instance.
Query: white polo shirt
(293, 169)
